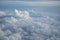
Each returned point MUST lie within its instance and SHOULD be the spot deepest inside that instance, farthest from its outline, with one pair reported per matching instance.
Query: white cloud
(23, 14)
(2, 13)
(17, 12)
(12, 20)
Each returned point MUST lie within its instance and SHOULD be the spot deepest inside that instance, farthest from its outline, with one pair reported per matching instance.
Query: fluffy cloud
(23, 14)
(24, 27)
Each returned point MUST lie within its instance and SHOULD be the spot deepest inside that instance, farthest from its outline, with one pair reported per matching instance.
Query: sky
(29, 0)
(29, 19)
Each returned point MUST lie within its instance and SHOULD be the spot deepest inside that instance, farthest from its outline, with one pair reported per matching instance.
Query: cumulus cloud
(12, 20)
(23, 14)
(24, 27)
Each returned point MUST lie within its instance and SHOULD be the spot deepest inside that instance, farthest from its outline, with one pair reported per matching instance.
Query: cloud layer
(22, 26)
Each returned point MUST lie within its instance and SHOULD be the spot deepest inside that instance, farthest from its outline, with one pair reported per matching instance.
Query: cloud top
(24, 14)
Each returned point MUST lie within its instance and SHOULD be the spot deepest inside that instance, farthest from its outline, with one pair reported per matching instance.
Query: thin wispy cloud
(31, 3)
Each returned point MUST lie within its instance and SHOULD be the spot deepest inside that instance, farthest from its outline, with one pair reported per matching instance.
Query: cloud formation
(2, 13)
(23, 14)
(21, 26)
